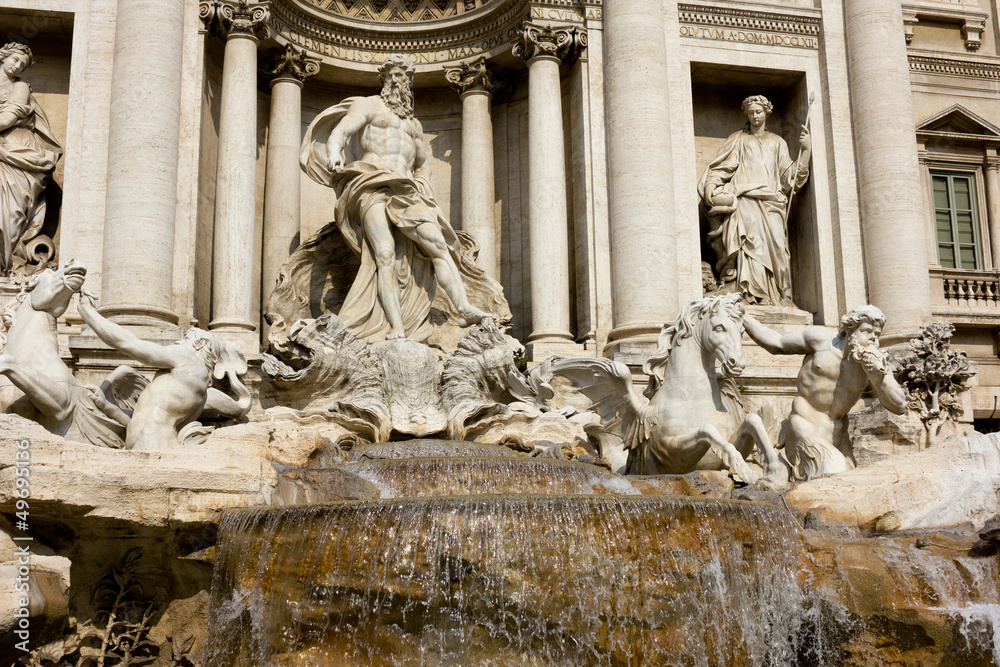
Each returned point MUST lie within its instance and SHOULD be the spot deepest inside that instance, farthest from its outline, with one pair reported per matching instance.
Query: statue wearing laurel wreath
(747, 189)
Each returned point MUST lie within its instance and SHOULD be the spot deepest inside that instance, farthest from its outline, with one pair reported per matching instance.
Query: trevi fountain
(427, 332)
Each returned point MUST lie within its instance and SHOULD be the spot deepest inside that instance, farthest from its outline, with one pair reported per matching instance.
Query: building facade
(568, 137)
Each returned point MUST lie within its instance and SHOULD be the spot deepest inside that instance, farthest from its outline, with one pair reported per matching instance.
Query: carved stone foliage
(935, 376)
(287, 63)
(477, 75)
(231, 18)
(535, 40)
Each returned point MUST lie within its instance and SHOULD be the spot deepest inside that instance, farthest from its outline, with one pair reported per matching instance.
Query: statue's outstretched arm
(797, 342)
(152, 354)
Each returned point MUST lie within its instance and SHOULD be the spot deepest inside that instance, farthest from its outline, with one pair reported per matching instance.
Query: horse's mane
(683, 327)
(10, 310)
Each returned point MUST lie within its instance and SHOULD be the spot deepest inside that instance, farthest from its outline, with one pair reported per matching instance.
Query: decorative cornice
(750, 19)
(235, 18)
(453, 39)
(477, 75)
(287, 63)
(972, 18)
(926, 64)
(536, 41)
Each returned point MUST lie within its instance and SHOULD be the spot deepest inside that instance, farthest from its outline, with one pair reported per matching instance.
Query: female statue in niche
(28, 154)
(747, 189)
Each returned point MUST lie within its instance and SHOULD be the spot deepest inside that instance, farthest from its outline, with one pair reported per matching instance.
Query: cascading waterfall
(962, 587)
(509, 580)
(424, 477)
(476, 559)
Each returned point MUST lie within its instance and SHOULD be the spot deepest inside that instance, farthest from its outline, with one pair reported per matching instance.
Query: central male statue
(371, 151)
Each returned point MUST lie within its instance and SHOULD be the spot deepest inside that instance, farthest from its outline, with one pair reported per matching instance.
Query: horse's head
(715, 323)
(722, 332)
(51, 290)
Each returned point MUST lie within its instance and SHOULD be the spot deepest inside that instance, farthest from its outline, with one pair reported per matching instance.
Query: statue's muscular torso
(828, 386)
(389, 141)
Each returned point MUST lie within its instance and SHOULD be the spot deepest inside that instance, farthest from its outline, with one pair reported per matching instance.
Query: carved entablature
(793, 28)
(538, 41)
(234, 18)
(334, 32)
(939, 65)
(478, 75)
(287, 63)
(969, 15)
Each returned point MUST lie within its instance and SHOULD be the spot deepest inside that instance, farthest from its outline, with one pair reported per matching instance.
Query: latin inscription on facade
(750, 37)
(565, 14)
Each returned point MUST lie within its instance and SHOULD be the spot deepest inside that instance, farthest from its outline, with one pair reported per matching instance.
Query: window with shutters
(956, 220)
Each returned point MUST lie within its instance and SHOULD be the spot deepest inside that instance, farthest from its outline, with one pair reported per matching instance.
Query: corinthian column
(888, 171)
(143, 135)
(287, 68)
(644, 264)
(476, 82)
(548, 226)
(243, 25)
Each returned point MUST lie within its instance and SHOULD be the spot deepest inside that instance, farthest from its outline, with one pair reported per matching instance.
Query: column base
(539, 350)
(631, 344)
(247, 340)
(141, 316)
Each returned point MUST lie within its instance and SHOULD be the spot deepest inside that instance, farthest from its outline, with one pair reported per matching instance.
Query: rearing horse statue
(37, 384)
(688, 422)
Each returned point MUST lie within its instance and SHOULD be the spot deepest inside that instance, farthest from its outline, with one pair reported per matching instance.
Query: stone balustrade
(966, 296)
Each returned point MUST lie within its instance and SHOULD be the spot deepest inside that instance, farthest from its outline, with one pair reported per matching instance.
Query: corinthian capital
(534, 40)
(287, 63)
(235, 18)
(478, 74)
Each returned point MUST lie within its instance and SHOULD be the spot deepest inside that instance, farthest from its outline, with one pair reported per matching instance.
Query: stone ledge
(152, 488)
(950, 485)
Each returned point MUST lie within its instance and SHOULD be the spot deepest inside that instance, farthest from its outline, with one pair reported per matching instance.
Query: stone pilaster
(287, 69)
(233, 252)
(888, 172)
(644, 271)
(477, 82)
(143, 136)
(544, 48)
(992, 177)
(927, 189)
